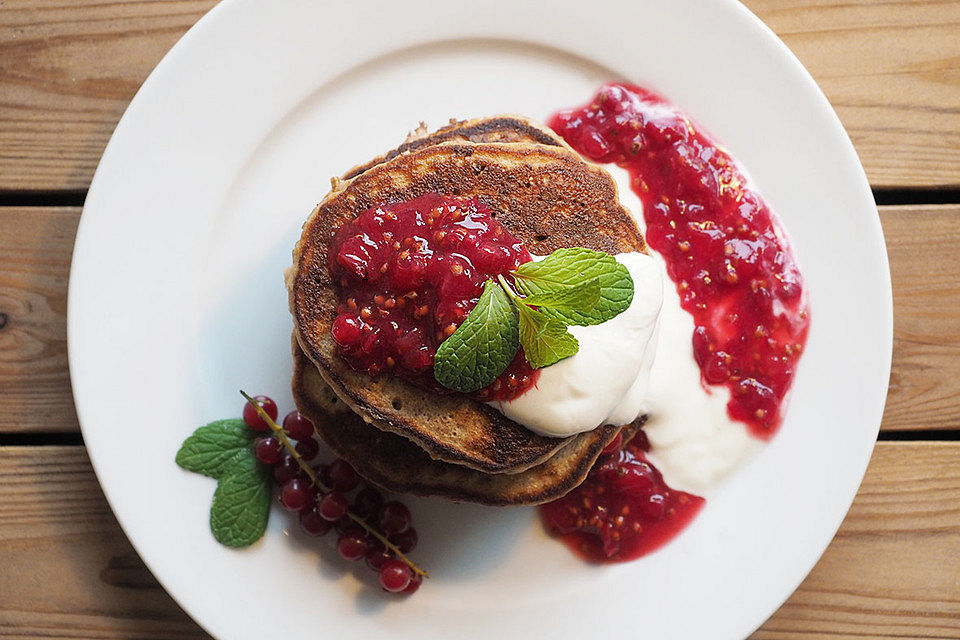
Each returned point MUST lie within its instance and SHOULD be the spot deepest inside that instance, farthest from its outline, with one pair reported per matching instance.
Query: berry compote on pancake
(408, 273)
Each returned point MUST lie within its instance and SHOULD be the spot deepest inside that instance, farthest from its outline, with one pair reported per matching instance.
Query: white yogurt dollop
(694, 442)
(606, 381)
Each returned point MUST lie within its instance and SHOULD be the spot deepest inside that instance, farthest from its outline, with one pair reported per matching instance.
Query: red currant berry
(313, 523)
(253, 419)
(347, 330)
(344, 524)
(295, 495)
(367, 502)
(415, 582)
(613, 446)
(405, 541)
(286, 469)
(640, 441)
(394, 518)
(353, 544)
(341, 476)
(633, 479)
(377, 555)
(562, 520)
(332, 506)
(323, 473)
(395, 576)
(268, 450)
(308, 449)
(297, 426)
(654, 508)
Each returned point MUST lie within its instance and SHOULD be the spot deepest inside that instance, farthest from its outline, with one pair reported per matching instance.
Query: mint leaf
(580, 297)
(212, 447)
(545, 340)
(482, 347)
(569, 267)
(241, 503)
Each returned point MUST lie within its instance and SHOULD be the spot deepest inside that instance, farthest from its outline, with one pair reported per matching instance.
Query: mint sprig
(545, 340)
(566, 268)
(223, 450)
(569, 287)
(212, 447)
(578, 297)
(241, 502)
(482, 347)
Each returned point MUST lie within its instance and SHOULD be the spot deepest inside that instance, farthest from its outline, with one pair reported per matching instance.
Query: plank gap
(923, 435)
(905, 196)
(66, 198)
(29, 439)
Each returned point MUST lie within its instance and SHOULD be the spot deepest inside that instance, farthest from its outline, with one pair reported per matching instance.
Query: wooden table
(68, 69)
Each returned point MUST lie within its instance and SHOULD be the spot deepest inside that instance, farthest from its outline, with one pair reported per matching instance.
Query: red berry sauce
(724, 248)
(408, 275)
(623, 510)
(736, 275)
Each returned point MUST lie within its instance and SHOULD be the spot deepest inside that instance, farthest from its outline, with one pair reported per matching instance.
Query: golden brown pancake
(504, 128)
(546, 196)
(396, 464)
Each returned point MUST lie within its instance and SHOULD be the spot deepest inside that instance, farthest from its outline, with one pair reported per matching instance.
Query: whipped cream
(606, 381)
(693, 441)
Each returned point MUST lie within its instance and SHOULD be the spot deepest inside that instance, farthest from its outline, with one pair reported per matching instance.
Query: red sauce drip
(623, 510)
(408, 275)
(724, 248)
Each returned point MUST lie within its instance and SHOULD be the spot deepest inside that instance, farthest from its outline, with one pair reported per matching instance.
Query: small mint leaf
(544, 339)
(482, 347)
(579, 297)
(241, 503)
(211, 447)
(570, 267)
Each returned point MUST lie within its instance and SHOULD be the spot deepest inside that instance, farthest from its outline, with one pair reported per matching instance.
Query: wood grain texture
(922, 244)
(36, 244)
(69, 67)
(68, 571)
(892, 570)
(892, 72)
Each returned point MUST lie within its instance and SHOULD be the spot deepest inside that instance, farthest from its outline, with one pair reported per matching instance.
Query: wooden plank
(892, 72)
(68, 570)
(891, 571)
(69, 68)
(922, 244)
(36, 243)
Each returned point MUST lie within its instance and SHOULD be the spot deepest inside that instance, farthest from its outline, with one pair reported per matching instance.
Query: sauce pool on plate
(734, 271)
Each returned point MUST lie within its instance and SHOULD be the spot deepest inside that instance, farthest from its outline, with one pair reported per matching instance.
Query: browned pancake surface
(546, 196)
(396, 464)
(505, 128)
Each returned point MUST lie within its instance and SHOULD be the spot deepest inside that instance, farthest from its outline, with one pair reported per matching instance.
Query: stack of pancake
(395, 434)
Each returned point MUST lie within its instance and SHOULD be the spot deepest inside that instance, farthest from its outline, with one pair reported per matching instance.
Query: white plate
(176, 301)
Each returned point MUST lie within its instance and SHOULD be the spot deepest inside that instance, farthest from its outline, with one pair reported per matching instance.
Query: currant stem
(282, 437)
(389, 545)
